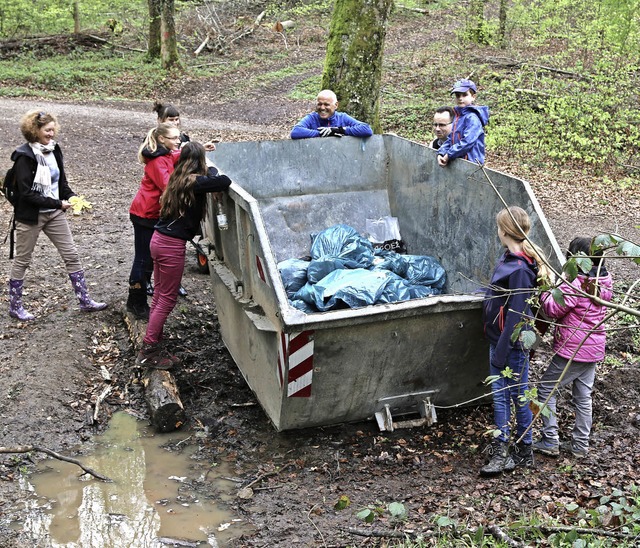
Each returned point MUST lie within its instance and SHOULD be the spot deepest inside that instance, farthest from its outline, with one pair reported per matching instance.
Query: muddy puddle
(151, 503)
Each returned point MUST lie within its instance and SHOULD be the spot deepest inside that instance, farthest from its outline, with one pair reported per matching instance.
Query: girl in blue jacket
(466, 139)
(505, 306)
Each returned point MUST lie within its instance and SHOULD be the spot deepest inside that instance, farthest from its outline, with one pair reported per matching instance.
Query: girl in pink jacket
(578, 345)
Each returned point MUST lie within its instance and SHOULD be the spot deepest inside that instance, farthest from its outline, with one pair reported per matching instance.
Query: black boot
(137, 301)
(501, 460)
(522, 454)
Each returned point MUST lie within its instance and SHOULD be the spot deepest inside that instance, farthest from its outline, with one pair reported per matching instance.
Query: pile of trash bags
(345, 271)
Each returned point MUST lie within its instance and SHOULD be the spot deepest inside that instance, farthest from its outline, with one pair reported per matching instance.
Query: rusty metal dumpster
(382, 360)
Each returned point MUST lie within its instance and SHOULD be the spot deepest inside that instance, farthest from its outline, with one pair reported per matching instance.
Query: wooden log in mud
(163, 400)
(161, 392)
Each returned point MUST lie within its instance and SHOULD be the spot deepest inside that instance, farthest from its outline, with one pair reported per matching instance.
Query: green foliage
(343, 502)
(91, 75)
(557, 294)
(584, 120)
(283, 9)
(34, 17)
(396, 510)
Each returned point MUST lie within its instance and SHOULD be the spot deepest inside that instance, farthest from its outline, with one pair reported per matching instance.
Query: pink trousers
(168, 256)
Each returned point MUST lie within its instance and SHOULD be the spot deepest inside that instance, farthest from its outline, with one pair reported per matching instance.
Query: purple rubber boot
(80, 288)
(15, 302)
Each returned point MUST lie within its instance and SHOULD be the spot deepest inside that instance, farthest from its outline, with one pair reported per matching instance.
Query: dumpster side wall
(450, 212)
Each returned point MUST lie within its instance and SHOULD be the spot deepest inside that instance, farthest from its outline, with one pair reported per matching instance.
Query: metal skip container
(382, 360)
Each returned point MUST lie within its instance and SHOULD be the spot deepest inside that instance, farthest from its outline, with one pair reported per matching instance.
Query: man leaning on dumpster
(327, 122)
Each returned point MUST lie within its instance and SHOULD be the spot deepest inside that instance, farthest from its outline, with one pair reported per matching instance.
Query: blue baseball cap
(464, 85)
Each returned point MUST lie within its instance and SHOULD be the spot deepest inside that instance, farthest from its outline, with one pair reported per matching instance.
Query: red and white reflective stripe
(261, 273)
(295, 363)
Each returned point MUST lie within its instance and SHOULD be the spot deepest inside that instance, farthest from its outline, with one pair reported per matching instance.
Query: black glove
(331, 131)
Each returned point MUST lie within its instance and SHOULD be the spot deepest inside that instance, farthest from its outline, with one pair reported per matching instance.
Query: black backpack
(10, 192)
(8, 186)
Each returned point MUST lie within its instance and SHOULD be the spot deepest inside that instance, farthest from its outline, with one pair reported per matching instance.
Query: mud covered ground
(51, 368)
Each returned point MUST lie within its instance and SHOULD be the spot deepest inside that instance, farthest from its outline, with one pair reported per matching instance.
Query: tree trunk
(353, 65)
(476, 26)
(76, 17)
(502, 24)
(169, 42)
(155, 18)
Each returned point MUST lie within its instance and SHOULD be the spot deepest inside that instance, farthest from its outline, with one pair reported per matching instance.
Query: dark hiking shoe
(547, 447)
(182, 292)
(577, 452)
(137, 301)
(522, 454)
(151, 356)
(174, 359)
(500, 459)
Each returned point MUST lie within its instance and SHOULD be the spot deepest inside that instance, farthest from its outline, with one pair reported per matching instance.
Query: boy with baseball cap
(466, 139)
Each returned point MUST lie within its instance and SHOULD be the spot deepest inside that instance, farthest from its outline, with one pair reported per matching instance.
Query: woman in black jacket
(43, 197)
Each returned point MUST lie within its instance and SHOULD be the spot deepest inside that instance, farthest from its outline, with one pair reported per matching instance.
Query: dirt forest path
(51, 368)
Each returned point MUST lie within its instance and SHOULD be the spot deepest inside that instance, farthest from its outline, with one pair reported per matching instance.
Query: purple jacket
(577, 319)
(506, 303)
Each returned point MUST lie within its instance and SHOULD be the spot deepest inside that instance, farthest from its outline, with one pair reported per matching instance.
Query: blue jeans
(507, 391)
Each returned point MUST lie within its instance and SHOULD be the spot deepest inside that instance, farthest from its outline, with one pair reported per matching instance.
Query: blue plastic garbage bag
(294, 275)
(390, 260)
(319, 268)
(397, 290)
(343, 242)
(345, 288)
(304, 307)
(425, 270)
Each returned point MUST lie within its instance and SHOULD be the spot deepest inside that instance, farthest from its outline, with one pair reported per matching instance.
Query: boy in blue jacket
(466, 139)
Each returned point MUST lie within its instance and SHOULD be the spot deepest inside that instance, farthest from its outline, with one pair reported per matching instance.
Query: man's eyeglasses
(442, 125)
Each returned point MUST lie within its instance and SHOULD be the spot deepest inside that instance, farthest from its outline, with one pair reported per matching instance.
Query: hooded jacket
(158, 167)
(505, 304)
(466, 139)
(577, 319)
(308, 126)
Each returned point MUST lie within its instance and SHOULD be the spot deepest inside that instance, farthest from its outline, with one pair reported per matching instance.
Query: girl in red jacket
(159, 153)
(578, 345)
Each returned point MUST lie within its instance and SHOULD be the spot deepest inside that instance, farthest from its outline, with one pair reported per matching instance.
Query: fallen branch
(579, 530)
(103, 41)
(32, 448)
(202, 46)
(500, 535)
(268, 475)
(99, 400)
(418, 10)
(373, 533)
(513, 63)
